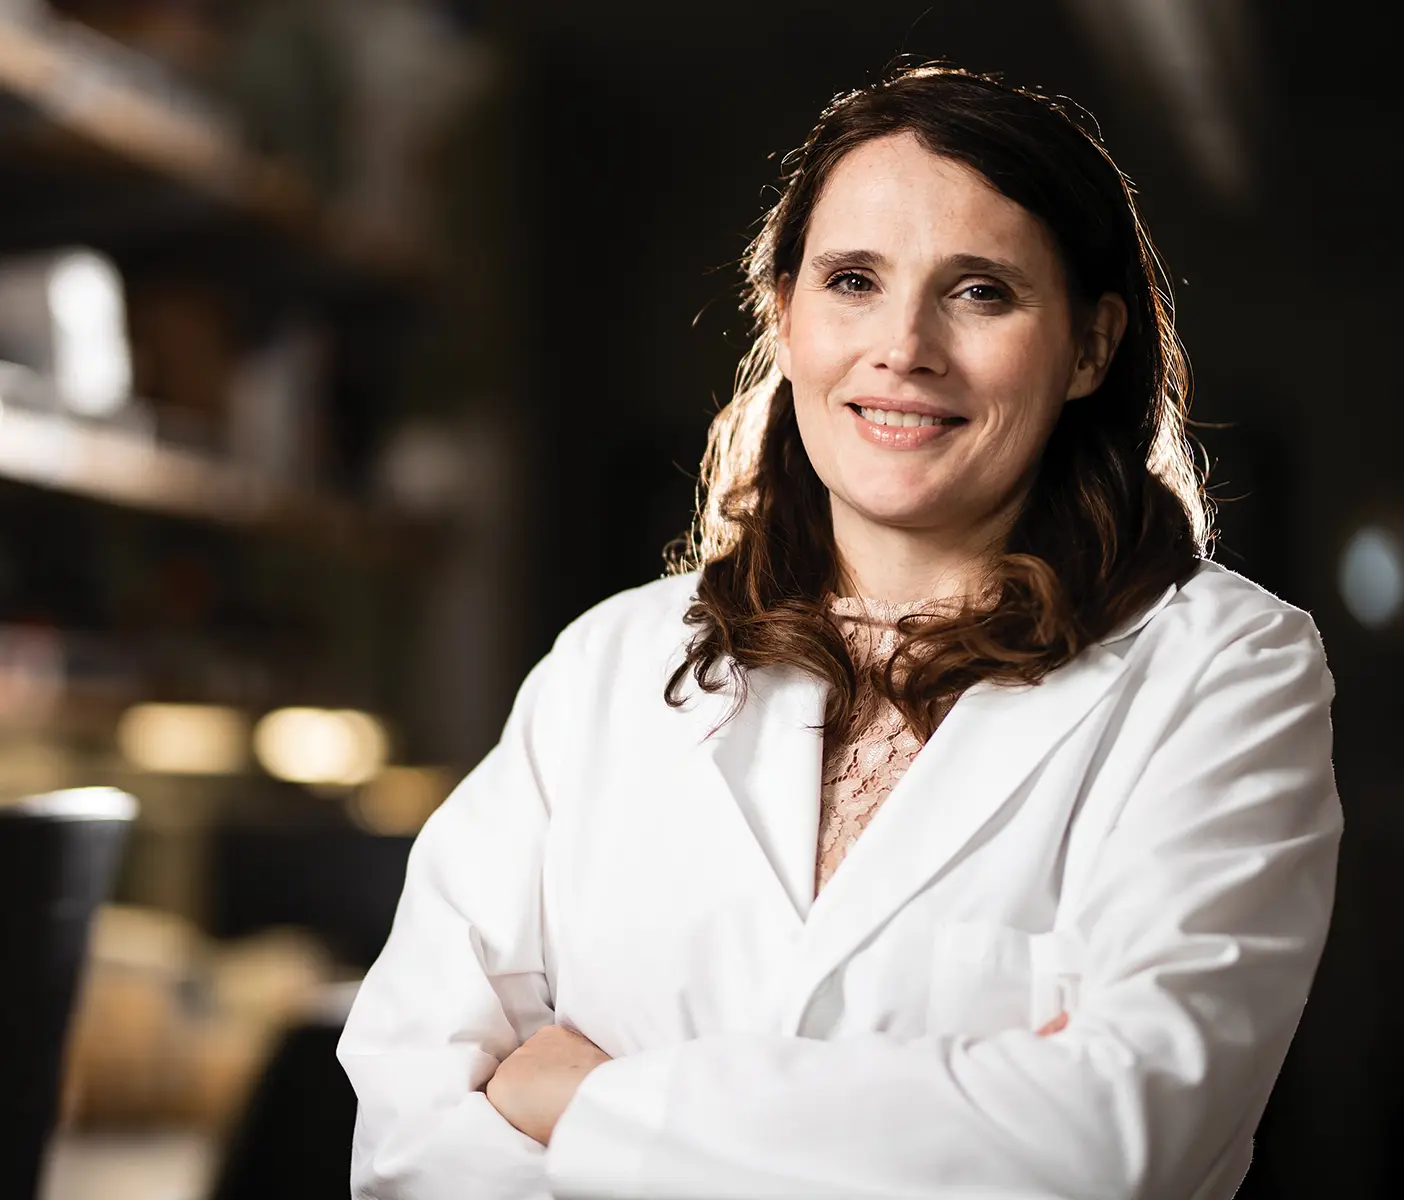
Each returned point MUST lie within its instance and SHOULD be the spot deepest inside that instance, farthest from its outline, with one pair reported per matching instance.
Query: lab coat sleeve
(1203, 916)
(459, 985)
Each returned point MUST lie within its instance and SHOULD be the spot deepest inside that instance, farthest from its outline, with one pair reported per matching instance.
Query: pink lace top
(863, 765)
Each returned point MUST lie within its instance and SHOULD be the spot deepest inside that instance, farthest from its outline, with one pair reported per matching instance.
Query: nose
(909, 344)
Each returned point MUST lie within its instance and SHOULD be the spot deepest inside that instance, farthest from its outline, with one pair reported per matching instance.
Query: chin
(901, 512)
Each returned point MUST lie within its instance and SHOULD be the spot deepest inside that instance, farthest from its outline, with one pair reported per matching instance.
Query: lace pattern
(863, 765)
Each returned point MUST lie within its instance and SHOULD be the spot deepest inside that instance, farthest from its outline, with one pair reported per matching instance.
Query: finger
(1058, 1023)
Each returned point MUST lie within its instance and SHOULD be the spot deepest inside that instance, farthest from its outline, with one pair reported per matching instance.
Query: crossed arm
(1206, 912)
(536, 1082)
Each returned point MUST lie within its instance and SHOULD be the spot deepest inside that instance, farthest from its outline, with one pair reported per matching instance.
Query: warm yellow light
(399, 799)
(340, 747)
(186, 739)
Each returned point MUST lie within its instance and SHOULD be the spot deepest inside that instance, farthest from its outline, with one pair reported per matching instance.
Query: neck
(900, 564)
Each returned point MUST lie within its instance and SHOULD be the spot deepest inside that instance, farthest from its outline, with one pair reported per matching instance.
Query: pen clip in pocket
(1055, 961)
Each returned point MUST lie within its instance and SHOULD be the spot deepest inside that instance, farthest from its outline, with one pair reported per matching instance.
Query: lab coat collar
(766, 763)
(1138, 622)
(954, 795)
(765, 767)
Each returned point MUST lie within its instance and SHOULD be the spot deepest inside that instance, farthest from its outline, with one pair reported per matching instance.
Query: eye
(849, 283)
(985, 293)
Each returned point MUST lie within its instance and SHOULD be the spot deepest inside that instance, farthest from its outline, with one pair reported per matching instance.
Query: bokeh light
(191, 739)
(334, 747)
(399, 799)
(92, 360)
(1371, 576)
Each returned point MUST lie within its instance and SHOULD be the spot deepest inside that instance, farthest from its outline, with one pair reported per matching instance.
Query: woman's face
(930, 343)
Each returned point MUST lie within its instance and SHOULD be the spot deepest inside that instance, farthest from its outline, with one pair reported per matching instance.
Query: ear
(1097, 346)
(783, 291)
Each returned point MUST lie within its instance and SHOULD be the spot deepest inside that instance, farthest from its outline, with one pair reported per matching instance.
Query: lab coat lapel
(765, 764)
(961, 781)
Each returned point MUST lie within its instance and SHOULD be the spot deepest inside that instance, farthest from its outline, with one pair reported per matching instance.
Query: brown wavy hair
(1117, 511)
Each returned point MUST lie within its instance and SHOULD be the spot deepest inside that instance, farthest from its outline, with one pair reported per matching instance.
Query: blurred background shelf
(242, 469)
(52, 451)
(261, 523)
(93, 151)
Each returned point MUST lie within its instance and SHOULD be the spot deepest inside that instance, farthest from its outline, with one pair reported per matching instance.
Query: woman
(952, 827)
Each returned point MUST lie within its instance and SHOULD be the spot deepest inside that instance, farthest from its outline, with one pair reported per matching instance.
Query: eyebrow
(829, 261)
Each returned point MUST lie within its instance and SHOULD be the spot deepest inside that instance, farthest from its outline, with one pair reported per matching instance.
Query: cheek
(815, 429)
(819, 348)
(816, 368)
(814, 371)
(1023, 377)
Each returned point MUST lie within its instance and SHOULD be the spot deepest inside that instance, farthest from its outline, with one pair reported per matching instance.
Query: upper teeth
(890, 416)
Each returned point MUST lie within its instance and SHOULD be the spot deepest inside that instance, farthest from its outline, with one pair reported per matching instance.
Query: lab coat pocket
(986, 978)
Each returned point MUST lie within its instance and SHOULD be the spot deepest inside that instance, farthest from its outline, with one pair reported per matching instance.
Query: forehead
(893, 196)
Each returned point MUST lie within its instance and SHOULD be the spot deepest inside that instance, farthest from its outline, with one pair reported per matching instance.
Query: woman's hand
(534, 1083)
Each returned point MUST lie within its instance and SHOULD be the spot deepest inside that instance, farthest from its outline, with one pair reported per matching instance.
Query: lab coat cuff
(601, 1140)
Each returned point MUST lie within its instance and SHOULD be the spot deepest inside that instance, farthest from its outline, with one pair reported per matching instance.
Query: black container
(58, 859)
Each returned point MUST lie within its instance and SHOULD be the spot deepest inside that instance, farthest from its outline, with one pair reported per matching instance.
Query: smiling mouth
(893, 418)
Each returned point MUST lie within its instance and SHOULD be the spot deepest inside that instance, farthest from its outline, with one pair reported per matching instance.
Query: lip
(925, 408)
(892, 437)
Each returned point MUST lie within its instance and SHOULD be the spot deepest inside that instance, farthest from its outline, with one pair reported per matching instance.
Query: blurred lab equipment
(58, 859)
(63, 316)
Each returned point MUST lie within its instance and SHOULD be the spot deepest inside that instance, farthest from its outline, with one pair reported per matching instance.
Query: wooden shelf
(118, 467)
(60, 73)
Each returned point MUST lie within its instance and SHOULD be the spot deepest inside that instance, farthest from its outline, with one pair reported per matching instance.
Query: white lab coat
(1147, 839)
